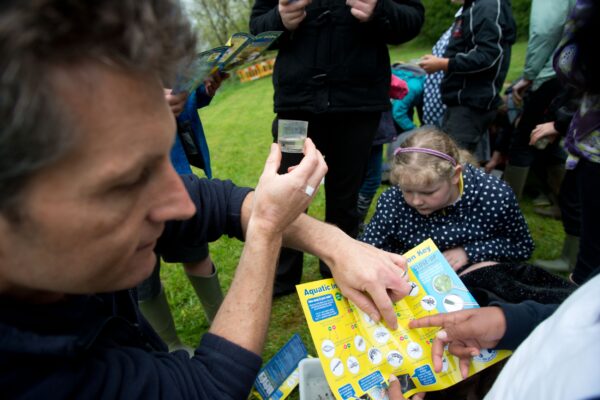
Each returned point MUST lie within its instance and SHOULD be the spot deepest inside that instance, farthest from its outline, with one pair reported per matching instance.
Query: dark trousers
(345, 140)
(570, 207)
(372, 179)
(466, 125)
(588, 260)
(535, 111)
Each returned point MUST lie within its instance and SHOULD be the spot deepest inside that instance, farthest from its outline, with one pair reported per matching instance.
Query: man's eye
(137, 182)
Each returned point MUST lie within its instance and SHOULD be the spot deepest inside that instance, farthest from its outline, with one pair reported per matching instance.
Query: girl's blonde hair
(414, 168)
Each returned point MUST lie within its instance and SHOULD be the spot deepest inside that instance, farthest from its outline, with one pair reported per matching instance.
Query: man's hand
(466, 332)
(456, 257)
(519, 89)
(292, 12)
(543, 130)
(362, 10)
(176, 101)
(371, 278)
(394, 391)
(279, 199)
(275, 204)
(497, 159)
(432, 64)
(213, 82)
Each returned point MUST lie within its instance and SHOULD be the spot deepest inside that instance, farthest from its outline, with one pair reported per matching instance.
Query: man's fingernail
(393, 378)
(442, 335)
(374, 317)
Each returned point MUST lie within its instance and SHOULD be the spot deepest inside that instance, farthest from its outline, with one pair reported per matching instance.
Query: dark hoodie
(479, 53)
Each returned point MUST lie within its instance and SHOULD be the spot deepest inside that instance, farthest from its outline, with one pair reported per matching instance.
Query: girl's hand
(432, 64)
(456, 257)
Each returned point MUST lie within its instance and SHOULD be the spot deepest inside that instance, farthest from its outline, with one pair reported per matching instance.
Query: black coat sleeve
(399, 21)
(218, 212)
(265, 17)
(487, 47)
(521, 320)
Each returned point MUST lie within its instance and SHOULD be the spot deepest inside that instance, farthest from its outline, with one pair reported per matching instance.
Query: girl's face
(427, 199)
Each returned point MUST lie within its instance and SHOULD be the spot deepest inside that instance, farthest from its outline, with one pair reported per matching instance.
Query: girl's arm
(512, 240)
(382, 229)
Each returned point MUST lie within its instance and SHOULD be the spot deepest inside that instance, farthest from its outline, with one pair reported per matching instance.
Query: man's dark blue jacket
(99, 346)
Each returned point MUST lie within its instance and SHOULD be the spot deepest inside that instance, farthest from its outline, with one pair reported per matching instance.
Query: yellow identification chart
(358, 354)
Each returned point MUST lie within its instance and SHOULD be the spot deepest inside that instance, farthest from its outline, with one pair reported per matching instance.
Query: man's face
(91, 220)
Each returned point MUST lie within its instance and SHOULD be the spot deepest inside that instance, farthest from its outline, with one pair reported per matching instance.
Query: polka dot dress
(487, 222)
(433, 107)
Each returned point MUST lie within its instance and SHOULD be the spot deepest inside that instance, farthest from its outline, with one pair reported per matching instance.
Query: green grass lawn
(238, 128)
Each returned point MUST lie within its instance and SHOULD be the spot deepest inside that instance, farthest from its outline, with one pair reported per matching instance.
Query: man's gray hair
(36, 36)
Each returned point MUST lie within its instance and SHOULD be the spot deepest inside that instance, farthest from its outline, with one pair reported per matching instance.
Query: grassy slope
(238, 126)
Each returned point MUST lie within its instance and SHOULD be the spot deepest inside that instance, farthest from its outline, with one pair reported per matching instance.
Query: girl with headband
(470, 215)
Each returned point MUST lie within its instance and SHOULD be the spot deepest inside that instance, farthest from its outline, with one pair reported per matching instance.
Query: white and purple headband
(426, 151)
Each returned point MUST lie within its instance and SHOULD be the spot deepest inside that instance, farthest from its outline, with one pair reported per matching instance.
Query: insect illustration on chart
(353, 365)
(453, 302)
(414, 289)
(428, 303)
(414, 350)
(394, 358)
(328, 348)
(359, 343)
(337, 367)
(381, 335)
(375, 356)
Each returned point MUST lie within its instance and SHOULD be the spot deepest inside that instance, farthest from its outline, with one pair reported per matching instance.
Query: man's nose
(173, 201)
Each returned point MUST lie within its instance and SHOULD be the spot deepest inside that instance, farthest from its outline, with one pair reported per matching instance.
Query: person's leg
(203, 276)
(153, 304)
(551, 169)
(588, 260)
(521, 155)
(371, 182)
(467, 125)
(345, 139)
(389, 154)
(571, 219)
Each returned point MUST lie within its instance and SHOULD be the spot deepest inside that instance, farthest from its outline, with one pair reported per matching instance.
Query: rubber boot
(567, 260)
(555, 175)
(209, 292)
(551, 211)
(158, 314)
(541, 201)
(516, 177)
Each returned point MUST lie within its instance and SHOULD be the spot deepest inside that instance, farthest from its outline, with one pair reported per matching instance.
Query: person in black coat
(333, 70)
(475, 64)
